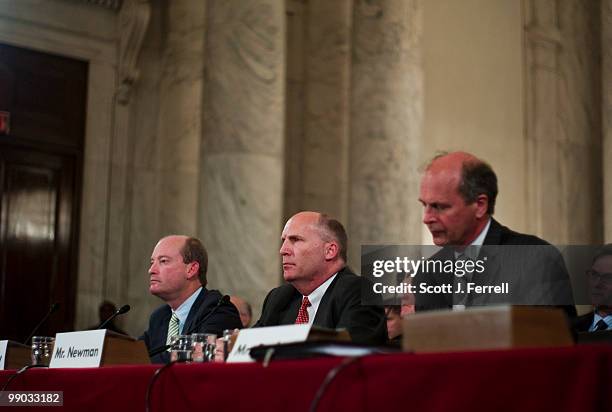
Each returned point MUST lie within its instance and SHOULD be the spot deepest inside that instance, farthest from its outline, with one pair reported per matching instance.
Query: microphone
(53, 309)
(222, 300)
(123, 309)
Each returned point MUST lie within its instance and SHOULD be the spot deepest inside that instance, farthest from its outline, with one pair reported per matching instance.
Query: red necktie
(302, 316)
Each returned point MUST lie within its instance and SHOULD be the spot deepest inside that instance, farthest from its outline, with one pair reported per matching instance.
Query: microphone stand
(54, 307)
(123, 309)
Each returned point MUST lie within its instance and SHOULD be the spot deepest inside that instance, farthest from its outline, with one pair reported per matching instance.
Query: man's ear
(331, 250)
(193, 269)
(482, 205)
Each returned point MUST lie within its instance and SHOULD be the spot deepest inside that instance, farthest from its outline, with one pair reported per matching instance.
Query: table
(558, 379)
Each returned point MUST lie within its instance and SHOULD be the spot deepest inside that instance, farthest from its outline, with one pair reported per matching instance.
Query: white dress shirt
(315, 298)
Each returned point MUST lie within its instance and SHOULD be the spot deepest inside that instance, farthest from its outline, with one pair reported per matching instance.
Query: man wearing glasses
(600, 286)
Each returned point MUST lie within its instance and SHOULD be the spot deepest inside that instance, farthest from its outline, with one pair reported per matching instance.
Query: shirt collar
(183, 310)
(315, 297)
(479, 241)
(473, 249)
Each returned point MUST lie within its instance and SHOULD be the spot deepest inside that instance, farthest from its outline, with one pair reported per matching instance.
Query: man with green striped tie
(178, 276)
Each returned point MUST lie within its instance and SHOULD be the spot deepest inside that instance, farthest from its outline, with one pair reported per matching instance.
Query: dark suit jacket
(225, 317)
(534, 269)
(583, 323)
(340, 307)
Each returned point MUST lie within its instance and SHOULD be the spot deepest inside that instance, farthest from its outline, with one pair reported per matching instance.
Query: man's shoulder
(276, 303)
(208, 297)
(502, 235)
(211, 313)
(160, 312)
(347, 278)
(207, 300)
(587, 317)
(349, 285)
(283, 291)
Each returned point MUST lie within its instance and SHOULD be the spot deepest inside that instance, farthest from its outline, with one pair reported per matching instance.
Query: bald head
(173, 240)
(313, 249)
(469, 174)
(178, 268)
(458, 192)
(451, 162)
(329, 229)
(306, 218)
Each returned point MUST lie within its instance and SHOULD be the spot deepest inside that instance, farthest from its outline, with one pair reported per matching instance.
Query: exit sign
(5, 123)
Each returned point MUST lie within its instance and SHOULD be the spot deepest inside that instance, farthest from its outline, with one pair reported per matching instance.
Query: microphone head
(54, 307)
(225, 299)
(123, 309)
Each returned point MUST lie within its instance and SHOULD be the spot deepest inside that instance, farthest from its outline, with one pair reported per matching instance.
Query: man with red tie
(321, 290)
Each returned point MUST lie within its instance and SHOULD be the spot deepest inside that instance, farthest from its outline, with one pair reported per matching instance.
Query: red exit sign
(5, 123)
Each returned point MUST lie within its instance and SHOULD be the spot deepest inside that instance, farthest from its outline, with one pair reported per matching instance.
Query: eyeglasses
(601, 277)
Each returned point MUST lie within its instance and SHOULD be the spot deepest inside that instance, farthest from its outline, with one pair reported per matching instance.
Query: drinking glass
(203, 347)
(42, 349)
(181, 348)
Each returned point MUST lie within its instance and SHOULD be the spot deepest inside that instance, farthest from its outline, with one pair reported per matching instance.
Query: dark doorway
(40, 180)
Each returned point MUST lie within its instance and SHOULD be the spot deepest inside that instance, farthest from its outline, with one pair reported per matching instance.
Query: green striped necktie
(173, 328)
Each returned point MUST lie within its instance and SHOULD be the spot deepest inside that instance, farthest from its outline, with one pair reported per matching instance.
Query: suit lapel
(195, 311)
(324, 314)
(585, 321)
(494, 234)
(491, 256)
(162, 331)
(289, 313)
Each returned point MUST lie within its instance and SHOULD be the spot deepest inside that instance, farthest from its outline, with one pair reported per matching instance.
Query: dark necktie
(601, 325)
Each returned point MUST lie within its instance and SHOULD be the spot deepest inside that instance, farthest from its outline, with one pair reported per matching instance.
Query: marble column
(165, 132)
(386, 124)
(92, 282)
(327, 103)
(543, 44)
(562, 117)
(296, 56)
(606, 46)
(133, 21)
(241, 172)
(180, 117)
(140, 227)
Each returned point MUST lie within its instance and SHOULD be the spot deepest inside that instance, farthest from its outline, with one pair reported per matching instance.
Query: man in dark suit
(178, 276)
(321, 289)
(458, 193)
(600, 285)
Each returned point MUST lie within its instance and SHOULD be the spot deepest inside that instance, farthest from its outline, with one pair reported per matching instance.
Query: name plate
(3, 346)
(271, 335)
(78, 349)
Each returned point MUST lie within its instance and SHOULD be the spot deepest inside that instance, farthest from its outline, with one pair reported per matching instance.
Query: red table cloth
(555, 379)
